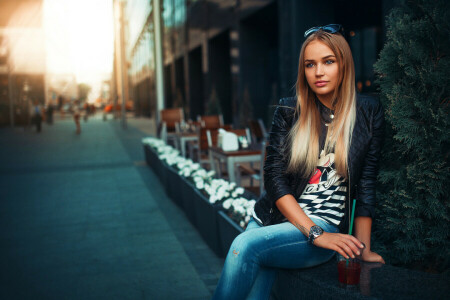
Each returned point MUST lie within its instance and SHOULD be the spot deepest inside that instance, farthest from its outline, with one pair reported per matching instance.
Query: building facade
(22, 60)
(238, 57)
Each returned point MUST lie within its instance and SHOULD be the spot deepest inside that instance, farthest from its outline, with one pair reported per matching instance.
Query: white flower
(239, 209)
(201, 172)
(219, 194)
(239, 191)
(247, 219)
(249, 211)
(227, 203)
(199, 185)
(242, 224)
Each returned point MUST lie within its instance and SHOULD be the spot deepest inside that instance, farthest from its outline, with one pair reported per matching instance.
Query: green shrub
(412, 227)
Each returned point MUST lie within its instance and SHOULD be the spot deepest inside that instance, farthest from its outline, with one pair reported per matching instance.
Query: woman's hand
(346, 245)
(370, 256)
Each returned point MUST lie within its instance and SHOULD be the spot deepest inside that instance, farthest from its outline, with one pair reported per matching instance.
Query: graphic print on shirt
(324, 195)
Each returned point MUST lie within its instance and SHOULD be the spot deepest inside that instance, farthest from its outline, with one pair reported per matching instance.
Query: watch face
(316, 231)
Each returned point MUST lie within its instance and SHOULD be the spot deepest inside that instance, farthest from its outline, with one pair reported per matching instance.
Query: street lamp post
(158, 58)
(122, 62)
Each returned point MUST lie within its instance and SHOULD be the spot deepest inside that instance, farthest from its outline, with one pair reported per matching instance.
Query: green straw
(351, 223)
(352, 217)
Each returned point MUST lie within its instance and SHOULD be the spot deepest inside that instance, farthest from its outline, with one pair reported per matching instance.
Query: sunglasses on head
(331, 28)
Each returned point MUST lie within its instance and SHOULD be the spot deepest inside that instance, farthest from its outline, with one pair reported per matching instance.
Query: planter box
(154, 162)
(206, 221)
(173, 185)
(188, 194)
(228, 231)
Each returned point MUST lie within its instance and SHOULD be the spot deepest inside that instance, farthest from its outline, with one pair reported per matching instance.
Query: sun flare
(79, 38)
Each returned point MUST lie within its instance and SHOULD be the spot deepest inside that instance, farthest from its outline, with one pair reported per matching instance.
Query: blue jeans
(255, 255)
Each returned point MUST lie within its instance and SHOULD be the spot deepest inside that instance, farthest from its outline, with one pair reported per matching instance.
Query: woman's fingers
(354, 248)
(346, 245)
(347, 249)
(356, 241)
(341, 252)
(352, 245)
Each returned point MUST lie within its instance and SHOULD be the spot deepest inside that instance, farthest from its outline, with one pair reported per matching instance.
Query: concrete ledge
(377, 282)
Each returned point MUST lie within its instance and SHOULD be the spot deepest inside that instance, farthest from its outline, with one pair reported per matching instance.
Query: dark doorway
(180, 93)
(168, 86)
(195, 83)
(220, 75)
(143, 91)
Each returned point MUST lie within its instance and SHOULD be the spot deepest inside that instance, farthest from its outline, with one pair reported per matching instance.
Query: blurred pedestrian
(49, 112)
(86, 111)
(60, 105)
(76, 116)
(37, 115)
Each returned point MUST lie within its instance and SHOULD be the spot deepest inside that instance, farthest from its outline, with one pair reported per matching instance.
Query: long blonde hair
(304, 135)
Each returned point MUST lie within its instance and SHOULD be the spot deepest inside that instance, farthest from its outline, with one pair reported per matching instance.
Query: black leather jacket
(363, 160)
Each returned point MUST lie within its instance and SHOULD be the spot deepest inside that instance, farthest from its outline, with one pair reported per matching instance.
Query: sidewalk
(83, 217)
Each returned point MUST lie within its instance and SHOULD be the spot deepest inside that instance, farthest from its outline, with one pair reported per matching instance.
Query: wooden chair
(253, 173)
(199, 150)
(213, 121)
(168, 119)
(258, 130)
(187, 136)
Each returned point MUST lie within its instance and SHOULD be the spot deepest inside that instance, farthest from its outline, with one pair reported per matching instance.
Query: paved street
(83, 217)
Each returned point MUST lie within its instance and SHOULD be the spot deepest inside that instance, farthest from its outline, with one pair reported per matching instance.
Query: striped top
(324, 195)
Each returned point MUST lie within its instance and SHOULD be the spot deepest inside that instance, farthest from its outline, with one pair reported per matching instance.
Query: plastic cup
(349, 270)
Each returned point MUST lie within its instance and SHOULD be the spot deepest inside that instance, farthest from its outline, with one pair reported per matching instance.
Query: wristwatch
(314, 232)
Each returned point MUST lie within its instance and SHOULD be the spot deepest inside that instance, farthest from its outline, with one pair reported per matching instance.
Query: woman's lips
(320, 83)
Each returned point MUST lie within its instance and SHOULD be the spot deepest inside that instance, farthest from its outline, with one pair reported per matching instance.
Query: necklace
(326, 114)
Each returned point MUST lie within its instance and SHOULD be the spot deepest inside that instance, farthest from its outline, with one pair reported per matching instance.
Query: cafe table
(231, 158)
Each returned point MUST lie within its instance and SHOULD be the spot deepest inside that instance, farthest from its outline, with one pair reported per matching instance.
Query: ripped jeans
(251, 265)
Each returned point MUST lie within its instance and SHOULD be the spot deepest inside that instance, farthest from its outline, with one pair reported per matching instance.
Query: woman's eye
(310, 65)
(329, 62)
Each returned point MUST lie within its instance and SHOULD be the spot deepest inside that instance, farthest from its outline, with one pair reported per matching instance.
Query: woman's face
(321, 70)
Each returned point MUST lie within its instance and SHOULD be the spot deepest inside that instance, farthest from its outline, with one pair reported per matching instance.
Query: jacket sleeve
(276, 180)
(367, 183)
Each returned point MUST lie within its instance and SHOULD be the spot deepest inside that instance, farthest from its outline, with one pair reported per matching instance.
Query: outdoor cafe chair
(168, 119)
(213, 121)
(258, 130)
(187, 135)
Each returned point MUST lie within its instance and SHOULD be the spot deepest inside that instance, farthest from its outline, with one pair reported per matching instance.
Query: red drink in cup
(349, 269)
(349, 272)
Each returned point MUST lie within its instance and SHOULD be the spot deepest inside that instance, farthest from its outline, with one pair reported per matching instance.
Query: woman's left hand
(370, 256)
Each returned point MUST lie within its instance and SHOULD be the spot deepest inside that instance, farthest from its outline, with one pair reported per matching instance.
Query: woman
(76, 116)
(323, 151)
